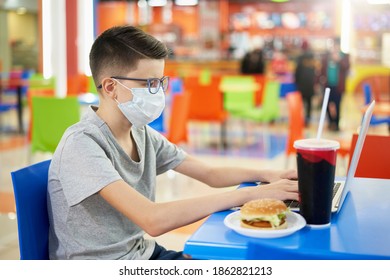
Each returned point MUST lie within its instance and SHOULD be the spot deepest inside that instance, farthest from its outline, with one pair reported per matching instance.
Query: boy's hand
(274, 175)
(282, 189)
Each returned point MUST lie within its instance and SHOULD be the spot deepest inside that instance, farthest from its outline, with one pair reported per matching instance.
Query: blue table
(361, 230)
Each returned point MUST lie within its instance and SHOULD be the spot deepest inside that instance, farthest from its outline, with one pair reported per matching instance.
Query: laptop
(341, 188)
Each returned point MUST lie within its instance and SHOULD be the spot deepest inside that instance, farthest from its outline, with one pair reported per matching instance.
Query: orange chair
(345, 147)
(206, 104)
(190, 81)
(77, 84)
(177, 131)
(260, 80)
(296, 122)
(374, 161)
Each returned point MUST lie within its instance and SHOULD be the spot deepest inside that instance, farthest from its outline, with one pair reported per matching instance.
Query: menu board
(315, 20)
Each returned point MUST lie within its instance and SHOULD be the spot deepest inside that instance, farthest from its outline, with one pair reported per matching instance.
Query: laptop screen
(356, 153)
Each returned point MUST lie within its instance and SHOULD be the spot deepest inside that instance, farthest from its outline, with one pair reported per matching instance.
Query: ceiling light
(157, 3)
(186, 2)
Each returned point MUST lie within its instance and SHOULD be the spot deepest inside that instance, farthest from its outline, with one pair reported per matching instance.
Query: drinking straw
(323, 111)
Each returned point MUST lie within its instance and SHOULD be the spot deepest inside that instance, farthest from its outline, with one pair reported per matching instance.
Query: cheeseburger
(264, 214)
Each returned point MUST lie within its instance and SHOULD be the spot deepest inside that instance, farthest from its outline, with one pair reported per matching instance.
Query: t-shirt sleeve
(168, 155)
(85, 168)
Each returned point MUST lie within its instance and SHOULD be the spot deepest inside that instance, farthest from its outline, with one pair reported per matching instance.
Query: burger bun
(257, 214)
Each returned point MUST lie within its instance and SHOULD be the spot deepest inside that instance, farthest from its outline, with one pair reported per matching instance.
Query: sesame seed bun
(263, 213)
(261, 207)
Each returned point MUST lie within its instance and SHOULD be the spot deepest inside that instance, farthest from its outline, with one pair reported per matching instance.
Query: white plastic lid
(316, 144)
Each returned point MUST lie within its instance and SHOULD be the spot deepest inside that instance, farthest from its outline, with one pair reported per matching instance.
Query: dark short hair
(118, 50)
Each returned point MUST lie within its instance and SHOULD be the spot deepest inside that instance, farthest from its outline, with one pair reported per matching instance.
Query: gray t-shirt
(88, 158)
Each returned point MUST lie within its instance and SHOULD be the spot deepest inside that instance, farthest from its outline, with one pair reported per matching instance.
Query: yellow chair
(51, 116)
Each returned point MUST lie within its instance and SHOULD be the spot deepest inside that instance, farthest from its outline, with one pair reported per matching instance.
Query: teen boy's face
(147, 68)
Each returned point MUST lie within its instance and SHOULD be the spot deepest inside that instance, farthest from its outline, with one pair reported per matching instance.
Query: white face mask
(144, 108)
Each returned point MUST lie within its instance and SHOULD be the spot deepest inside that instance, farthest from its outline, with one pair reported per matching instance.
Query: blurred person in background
(305, 78)
(253, 61)
(334, 70)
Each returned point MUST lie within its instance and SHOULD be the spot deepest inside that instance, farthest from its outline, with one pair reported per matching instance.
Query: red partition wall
(110, 14)
(71, 47)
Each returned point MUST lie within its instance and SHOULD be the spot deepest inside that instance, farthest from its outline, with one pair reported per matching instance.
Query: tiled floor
(250, 145)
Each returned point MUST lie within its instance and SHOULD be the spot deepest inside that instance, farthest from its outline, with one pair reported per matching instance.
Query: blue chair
(286, 88)
(175, 85)
(159, 124)
(5, 107)
(367, 100)
(30, 191)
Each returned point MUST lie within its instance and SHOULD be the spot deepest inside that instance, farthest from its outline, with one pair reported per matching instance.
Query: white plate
(294, 223)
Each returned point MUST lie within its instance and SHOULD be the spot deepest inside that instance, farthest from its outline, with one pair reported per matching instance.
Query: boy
(103, 174)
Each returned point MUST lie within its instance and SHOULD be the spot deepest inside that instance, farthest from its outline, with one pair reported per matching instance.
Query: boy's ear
(108, 86)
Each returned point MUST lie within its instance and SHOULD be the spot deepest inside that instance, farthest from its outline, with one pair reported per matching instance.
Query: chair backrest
(178, 119)
(37, 81)
(367, 93)
(260, 80)
(239, 92)
(14, 78)
(36, 92)
(91, 85)
(175, 85)
(30, 191)
(50, 118)
(296, 120)
(374, 160)
(5, 107)
(77, 84)
(286, 88)
(206, 102)
(270, 108)
(375, 120)
(159, 124)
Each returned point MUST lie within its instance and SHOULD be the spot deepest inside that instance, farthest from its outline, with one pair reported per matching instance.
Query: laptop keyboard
(295, 204)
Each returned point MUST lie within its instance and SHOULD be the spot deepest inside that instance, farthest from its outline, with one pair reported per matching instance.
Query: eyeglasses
(154, 84)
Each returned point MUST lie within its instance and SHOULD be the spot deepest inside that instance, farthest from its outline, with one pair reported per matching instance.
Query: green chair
(37, 81)
(238, 93)
(269, 110)
(91, 86)
(51, 116)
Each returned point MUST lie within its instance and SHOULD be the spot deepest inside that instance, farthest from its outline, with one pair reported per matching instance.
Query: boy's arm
(229, 176)
(159, 218)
